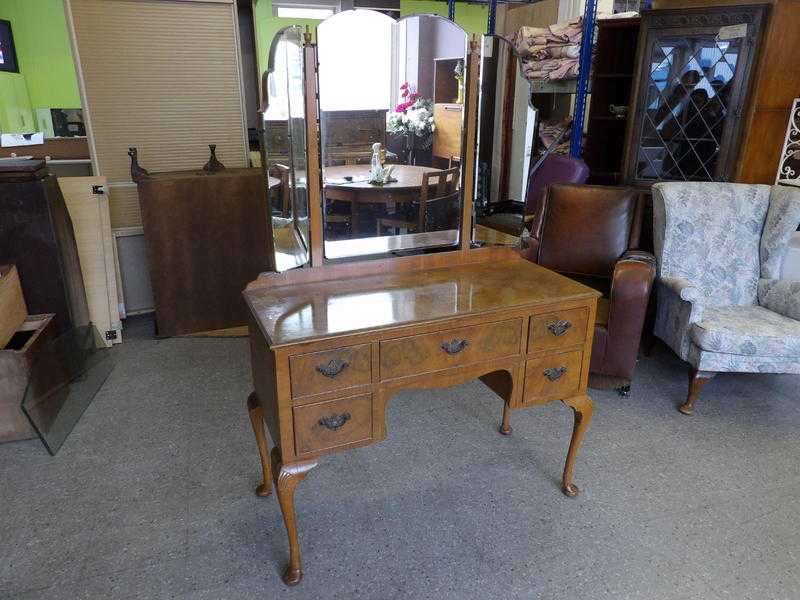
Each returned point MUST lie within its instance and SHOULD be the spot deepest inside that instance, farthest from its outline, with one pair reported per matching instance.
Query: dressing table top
(290, 314)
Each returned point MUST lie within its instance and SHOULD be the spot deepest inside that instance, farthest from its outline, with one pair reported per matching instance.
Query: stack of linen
(550, 53)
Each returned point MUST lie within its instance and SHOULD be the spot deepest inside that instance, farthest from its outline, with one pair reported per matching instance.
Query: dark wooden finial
(137, 172)
(213, 165)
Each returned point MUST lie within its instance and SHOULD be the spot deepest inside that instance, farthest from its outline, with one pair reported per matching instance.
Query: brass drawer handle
(554, 373)
(333, 368)
(559, 328)
(454, 346)
(335, 422)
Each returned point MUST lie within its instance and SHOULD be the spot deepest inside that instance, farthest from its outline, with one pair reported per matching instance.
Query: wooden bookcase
(612, 81)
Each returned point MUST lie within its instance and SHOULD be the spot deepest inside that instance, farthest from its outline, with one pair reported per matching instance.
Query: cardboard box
(12, 305)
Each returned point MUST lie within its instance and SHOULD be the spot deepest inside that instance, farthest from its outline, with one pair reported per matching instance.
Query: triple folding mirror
(392, 133)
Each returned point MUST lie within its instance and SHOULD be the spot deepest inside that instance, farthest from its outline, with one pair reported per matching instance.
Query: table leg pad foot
(265, 489)
(292, 576)
(571, 490)
(506, 429)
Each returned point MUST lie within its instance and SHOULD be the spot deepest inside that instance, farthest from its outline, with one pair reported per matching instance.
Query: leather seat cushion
(748, 331)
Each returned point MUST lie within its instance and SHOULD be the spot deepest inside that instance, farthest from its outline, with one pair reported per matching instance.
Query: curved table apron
(405, 189)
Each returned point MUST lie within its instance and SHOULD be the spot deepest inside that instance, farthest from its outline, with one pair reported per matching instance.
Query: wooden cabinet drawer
(558, 329)
(334, 423)
(330, 370)
(553, 376)
(435, 351)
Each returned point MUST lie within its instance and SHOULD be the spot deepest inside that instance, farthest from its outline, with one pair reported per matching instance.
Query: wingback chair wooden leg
(287, 477)
(697, 381)
(257, 421)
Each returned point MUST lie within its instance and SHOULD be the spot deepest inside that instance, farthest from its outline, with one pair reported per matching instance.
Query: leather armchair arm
(631, 284)
(781, 296)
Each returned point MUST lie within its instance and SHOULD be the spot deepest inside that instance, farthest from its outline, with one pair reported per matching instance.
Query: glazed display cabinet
(692, 89)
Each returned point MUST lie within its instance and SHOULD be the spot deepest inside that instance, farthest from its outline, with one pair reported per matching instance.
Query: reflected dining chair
(438, 195)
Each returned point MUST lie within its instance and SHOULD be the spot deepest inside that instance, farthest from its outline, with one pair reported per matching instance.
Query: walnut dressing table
(330, 348)
(333, 342)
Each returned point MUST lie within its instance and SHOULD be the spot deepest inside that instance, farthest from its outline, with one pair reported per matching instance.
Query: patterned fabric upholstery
(709, 235)
(747, 330)
(720, 247)
(780, 295)
(782, 220)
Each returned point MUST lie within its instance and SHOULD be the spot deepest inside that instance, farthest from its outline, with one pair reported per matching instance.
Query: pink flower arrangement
(409, 98)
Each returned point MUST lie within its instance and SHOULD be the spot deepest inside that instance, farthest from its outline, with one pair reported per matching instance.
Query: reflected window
(301, 12)
(285, 87)
(351, 78)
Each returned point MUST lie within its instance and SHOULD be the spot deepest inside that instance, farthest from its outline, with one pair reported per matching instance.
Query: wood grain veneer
(331, 346)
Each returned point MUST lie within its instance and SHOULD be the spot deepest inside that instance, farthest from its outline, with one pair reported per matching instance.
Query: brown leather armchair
(590, 233)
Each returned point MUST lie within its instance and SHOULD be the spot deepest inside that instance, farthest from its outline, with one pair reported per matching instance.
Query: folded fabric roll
(550, 53)
(553, 69)
(545, 52)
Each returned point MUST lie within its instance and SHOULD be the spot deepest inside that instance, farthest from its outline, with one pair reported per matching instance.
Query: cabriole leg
(286, 479)
(582, 409)
(697, 381)
(505, 427)
(257, 421)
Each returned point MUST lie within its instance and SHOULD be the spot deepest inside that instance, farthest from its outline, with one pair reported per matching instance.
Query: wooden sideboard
(331, 345)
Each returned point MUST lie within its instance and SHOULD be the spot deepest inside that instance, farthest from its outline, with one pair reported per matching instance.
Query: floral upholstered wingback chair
(721, 304)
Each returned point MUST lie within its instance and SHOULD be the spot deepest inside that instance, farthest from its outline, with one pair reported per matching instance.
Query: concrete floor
(152, 494)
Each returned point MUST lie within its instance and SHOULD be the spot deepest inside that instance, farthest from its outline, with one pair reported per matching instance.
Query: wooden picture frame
(8, 52)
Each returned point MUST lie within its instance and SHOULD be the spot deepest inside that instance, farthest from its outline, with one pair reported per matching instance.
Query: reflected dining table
(348, 183)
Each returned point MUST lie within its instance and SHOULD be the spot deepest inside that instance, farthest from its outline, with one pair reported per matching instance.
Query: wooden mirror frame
(508, 115)
(314, 159)
(262, 110)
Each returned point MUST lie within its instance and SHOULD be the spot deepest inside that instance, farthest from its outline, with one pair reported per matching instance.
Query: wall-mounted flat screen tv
(8, 55)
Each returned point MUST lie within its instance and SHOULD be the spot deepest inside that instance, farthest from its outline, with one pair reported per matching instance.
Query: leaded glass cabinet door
(695, 68)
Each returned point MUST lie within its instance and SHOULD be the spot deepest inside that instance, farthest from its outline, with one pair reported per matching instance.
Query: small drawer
(435, 351)
(334, 423)
(553, 376)
(330, 370)
(557, 330)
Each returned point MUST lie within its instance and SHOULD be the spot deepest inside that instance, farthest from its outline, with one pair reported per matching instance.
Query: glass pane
(64, 379)
(391, 120)
(686, 107)
(506, 124)
(284, 149)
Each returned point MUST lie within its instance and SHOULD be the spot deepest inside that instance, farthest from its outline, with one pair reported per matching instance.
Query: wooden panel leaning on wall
(206, 237)
(324, 369)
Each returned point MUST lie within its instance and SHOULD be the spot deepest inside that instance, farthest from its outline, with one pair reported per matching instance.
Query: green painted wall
(470, 16)
(267, 26)
(47, 76)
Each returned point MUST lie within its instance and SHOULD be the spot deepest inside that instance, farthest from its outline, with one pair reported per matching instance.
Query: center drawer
(430, 352)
